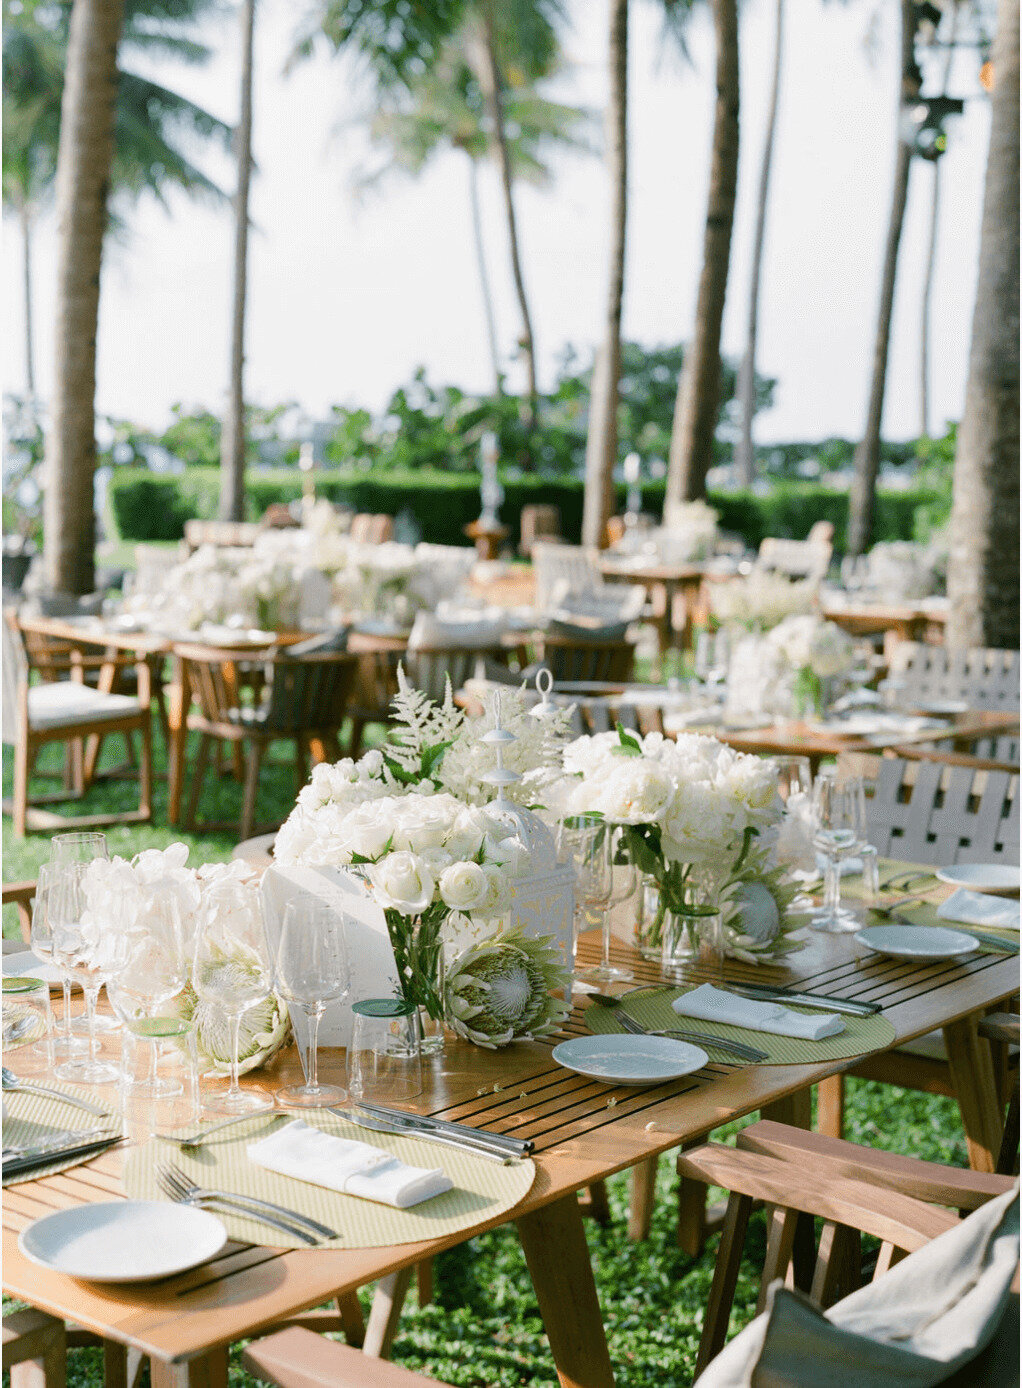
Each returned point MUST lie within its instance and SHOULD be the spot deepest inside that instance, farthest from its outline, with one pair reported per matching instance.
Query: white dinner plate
(916, 941)
(25, 964)
(629, 1059)
(982, 877)
(123, 1240)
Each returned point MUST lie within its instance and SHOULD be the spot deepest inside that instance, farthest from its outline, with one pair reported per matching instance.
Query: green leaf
(629, 745)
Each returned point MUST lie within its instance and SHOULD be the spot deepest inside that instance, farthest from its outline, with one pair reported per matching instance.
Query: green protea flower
(500, 990)
(265, 1029)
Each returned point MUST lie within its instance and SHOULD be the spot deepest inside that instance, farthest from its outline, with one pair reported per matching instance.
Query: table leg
(207, 1371)
(177, 723)
(795, 1109)
(971, 1062)
(554, 1242)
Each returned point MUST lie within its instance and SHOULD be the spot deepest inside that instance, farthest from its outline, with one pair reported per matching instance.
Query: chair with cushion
(304, 700)
(921, 1319)
(587, 654)
(980, 677)
(795, 559)
(67, 710)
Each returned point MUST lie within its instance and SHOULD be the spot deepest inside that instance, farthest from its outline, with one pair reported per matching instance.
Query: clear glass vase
(419, 956)
(692, 935)
(649, 920)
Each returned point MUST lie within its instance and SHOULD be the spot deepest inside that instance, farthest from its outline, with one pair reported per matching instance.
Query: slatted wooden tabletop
(582, 1131)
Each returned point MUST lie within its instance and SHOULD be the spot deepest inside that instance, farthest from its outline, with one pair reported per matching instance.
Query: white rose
(465, 886)
(403, 881)
(366, 832)
(466, 835)
(498, 896)
(510, 854)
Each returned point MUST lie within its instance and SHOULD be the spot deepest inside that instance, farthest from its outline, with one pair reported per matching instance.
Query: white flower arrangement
(761, 601)
(810, 642)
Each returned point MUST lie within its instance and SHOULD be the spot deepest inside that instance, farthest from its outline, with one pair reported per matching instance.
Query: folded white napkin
(713, 1005)
(354, 1168)
(977, 908)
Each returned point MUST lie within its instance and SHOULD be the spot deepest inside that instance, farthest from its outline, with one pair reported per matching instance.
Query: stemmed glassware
(231, 974)
(83, 847)
(310, 969)
(839, 815)
(794, 778)
(65, 1043)
(80, 946)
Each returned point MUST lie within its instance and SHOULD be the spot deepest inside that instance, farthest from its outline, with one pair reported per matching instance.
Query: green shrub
(145, 507)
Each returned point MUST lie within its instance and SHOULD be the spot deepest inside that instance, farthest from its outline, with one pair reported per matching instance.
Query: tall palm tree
(444, 109)
(84, 157)
(983, 574)
(232, 442)
(745, 454)
(695, 411)
(867, 454)
(601, 442)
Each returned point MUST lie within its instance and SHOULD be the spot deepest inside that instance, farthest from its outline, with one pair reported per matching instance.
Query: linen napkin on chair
(714, 1005)
(353, 1168)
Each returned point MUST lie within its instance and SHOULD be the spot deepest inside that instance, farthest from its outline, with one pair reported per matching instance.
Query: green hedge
(147, 507)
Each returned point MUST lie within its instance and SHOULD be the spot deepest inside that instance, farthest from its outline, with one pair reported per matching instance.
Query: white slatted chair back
(429, 670)
(928, 812)
(795, 559)
(561, 569)
(982, 677)
(15, 672)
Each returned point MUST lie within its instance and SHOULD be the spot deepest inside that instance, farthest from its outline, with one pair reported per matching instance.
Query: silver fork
(173, 1182)
(737, 1048)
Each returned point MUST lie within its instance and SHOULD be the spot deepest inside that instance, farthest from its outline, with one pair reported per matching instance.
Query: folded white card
(713, 1005)
(977, 908)
(354, 1168)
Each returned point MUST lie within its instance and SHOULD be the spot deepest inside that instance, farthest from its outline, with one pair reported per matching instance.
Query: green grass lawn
(483, 1329)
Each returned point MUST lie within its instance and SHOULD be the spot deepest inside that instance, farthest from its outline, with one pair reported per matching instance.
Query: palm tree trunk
(983, 574)
(862, 502)
(232, 444)
(493, 93)
(601, 444)
(931, 248)
(25, 218)
(745, 455)
(695, 410)
(83, 176)
(484, 274)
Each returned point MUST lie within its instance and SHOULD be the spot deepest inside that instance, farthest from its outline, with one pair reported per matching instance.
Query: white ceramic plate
(982, 877)
(629, 1059)
(916, 941)
(25, 964)
(123, 1240)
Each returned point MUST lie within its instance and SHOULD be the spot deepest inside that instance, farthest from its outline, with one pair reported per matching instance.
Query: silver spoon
(11, 1082)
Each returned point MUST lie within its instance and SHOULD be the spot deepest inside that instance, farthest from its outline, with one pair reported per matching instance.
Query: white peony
(404, 882)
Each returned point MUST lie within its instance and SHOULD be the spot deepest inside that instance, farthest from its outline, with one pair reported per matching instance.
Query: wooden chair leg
(357, 732)
(301, 762)
(839, 1254)
(248, 809)
(830, 1106)
(781, 1227)
(349, 1308)
(93, 747)
(122, 1367)
(691, 1209)
(424, 1281)
(198, 776)
(803, 1253)
(599, 1206)
(725, 1280)
(23, 758)
(643, 1193)
(388, 1301)
(145, 771)
(34, 1350)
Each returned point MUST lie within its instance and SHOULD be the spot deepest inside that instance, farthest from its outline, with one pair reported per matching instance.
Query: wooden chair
(429, 668)
(539, 524)
(68, 710)
(299, 1358)
(570, 658)
(375, 682)
(370, 529)
(795, 559)
(981, 677)
(802, 1176)
(21, 895)
(306, 701)
(563, 568)
(34, 1350)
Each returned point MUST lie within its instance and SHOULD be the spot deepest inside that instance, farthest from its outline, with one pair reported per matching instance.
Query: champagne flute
(231, 974)
(65, 1043)
(310, 969)
(77, 940)
(82, 846)
(839, 814)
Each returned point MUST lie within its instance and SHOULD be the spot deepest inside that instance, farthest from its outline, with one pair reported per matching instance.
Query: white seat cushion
(65, 703)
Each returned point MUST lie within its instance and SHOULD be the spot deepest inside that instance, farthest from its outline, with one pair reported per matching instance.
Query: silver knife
(464, 1144)
(19, 1165)
(514, 1146)
(994, 941)
(851, 1006)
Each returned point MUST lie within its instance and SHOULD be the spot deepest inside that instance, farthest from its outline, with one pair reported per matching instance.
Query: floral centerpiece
(761, 602)
(700, 821)
(817, 651)
(149, 906)
(410, 820)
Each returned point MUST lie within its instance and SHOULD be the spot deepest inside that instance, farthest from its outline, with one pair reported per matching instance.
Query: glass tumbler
(385, 1059)
(27, 1026)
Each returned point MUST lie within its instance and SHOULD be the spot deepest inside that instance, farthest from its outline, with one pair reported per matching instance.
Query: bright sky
(347, 297)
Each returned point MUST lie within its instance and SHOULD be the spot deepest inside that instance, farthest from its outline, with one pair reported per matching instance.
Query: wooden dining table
(583, 1131)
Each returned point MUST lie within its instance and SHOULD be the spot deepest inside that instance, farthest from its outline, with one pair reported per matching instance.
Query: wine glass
(231, 974)
(82, 948)
(65, 1043)
(149, 966)
(310, 969)
(839, 817)
(82, 846)
(794, 778)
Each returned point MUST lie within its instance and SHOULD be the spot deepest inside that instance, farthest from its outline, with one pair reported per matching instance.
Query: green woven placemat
(481, 1188)
(916, 912)
(654, 1011)
(35, 1118)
